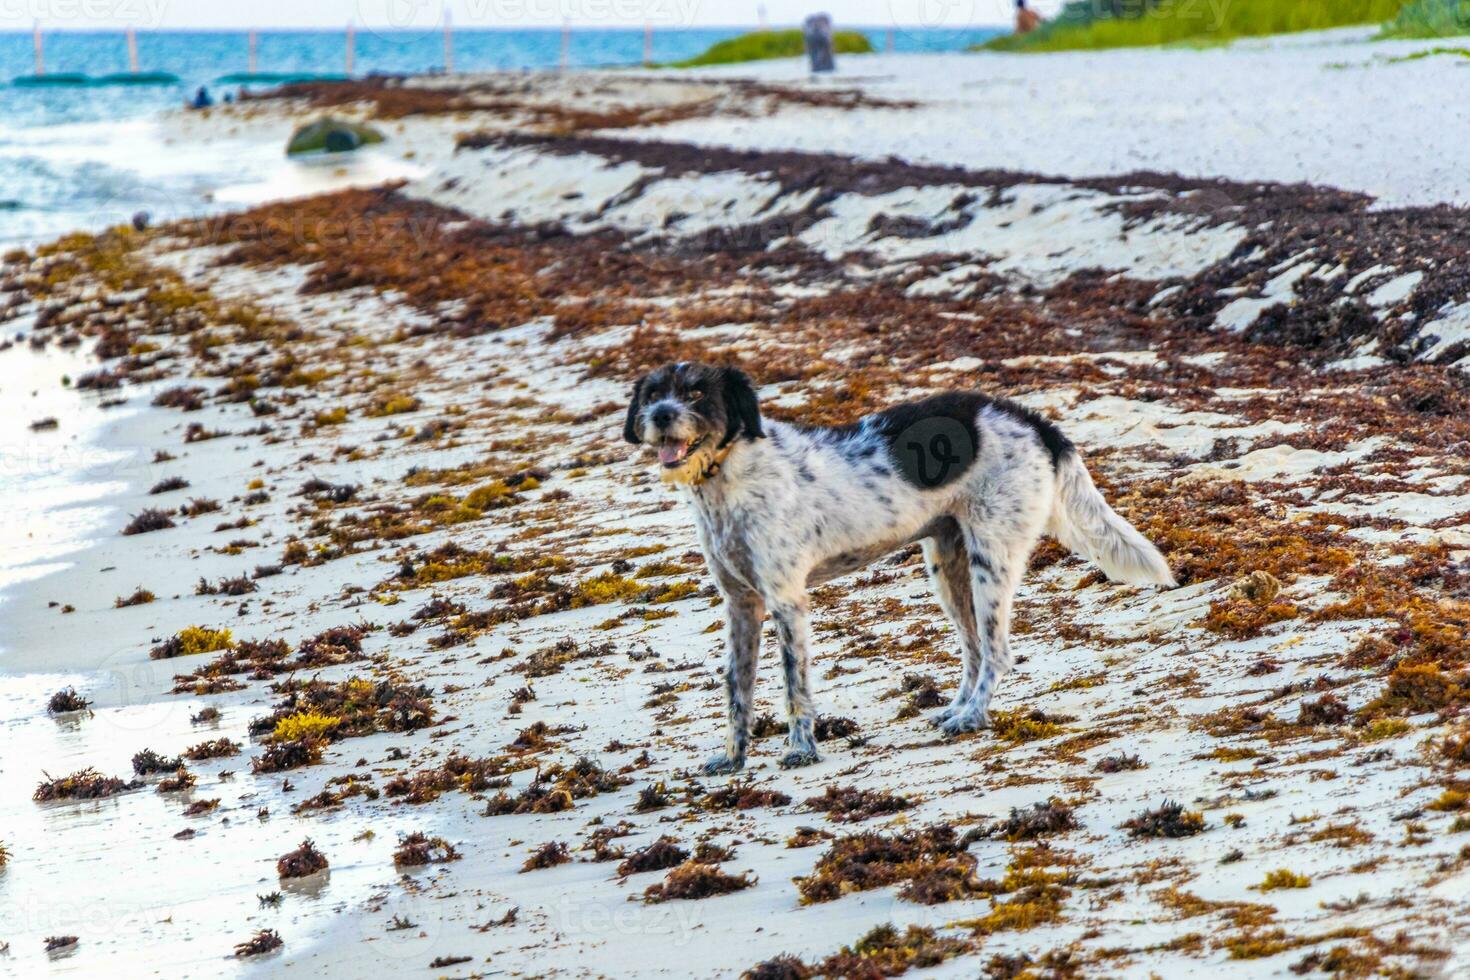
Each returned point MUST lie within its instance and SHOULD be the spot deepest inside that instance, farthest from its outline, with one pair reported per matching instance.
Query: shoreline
(463, 369)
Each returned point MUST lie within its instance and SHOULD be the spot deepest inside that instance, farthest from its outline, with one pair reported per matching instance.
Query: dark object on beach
(662, 854)
(848, 804)
(330, 135)
(237, 586)
(150, 763)
(337, 493)
(54, 943)
(263, 941)
(1169, 820)
(219, 748)
(141, 220)
(205, 715)
(418, 849)
(742, 794)
(293, 754)
(189, 398)
(816, 31)
(305, 860)
(45, 425)
(199, 506)
(1329, 709)
(652, 798)
(783, 967)
(87, 784)
(1118, 763)
(695, 880)
(548, 855)
(442, 961)
(140, 597)
(149, 520)
(202, 99)
(67, 700)
(1037, 820)
(169, 484)
(833, 726)
(508, 919)
(181, 780)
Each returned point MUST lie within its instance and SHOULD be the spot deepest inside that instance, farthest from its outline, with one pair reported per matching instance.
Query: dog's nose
(663, 416)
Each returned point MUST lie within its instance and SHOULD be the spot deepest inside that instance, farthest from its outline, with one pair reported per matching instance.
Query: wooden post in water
(254, 50)
(566, 43)
(132, 51)
(448, 40)
(40, 51)
(888, 44)
(351, 47)
(647, 44)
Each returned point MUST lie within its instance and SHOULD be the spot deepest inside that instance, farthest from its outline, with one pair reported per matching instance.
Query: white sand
(1325, 108)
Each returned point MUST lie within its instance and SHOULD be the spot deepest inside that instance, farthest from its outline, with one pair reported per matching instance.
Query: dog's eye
(696, 393)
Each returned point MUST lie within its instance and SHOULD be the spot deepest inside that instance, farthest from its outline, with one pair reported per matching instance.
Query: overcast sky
(84, 14)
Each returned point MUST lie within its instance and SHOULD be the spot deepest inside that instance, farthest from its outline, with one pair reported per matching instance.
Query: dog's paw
(943, 715)
(796, 758)
(721, 764)
(965, 722)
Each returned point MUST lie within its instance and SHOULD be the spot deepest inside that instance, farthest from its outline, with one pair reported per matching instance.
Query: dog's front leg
(791, 627)
(743, 615)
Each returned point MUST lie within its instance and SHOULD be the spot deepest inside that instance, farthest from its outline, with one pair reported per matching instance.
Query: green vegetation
(1141, 23)
(1430, 18)
(761, 45)
(1430, 53)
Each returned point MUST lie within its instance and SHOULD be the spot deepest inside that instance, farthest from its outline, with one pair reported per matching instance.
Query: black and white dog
(784, 507)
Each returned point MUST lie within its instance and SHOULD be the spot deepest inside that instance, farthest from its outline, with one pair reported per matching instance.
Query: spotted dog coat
(783, 507)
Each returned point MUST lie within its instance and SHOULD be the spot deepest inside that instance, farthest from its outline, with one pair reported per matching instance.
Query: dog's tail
(1082, 521)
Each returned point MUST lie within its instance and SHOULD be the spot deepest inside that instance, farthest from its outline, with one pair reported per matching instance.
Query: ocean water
(69, 157)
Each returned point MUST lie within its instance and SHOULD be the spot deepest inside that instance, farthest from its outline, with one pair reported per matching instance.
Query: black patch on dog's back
(935, 440)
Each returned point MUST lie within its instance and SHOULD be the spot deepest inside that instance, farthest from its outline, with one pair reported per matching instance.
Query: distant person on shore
(817, 32)
(1027, 20)
(202, 99)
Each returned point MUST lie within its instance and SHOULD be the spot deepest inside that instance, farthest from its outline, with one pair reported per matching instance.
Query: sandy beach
(458, 605)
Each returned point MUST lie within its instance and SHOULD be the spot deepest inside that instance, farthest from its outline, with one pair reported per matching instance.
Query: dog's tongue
(671, 453)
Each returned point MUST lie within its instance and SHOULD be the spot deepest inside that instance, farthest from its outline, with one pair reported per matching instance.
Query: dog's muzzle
(673, 452)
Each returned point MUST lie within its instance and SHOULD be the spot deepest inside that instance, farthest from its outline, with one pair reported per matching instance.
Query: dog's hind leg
(791, 627)
(948, 563)
(743, 614)
(995, 573)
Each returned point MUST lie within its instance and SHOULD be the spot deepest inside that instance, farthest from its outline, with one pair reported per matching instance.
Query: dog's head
(690, 413)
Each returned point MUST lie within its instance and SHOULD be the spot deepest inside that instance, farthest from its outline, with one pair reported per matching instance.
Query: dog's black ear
(630, 427)
(742, 410)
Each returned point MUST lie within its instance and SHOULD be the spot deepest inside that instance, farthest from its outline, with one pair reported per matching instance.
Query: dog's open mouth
(672, 454)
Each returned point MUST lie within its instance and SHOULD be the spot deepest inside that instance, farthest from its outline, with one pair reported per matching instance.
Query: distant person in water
(1027, 20)
(202, 99)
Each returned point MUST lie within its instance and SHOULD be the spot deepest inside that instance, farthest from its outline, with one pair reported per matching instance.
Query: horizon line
(464, 29)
